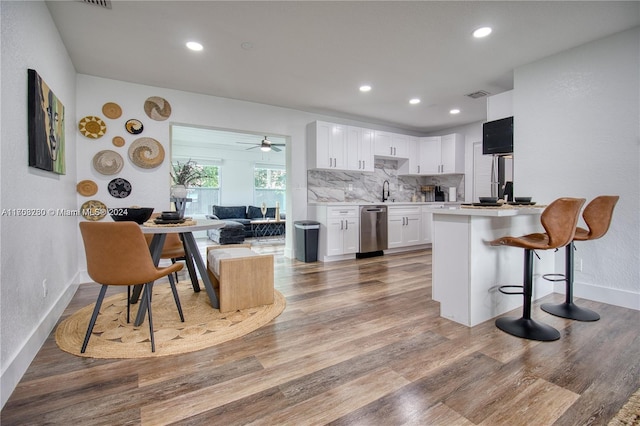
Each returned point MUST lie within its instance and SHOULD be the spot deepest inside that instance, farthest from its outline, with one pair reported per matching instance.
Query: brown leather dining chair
(559, 219)
(117, 254)
(597, 215)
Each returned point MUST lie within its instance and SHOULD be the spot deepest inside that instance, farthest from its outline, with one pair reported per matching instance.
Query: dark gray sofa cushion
(229, 212)
(232, 233)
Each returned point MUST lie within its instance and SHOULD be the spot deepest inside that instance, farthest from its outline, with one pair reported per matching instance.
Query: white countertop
(435, 204)
(489, 211)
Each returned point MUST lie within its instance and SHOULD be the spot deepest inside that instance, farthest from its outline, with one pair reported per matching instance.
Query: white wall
(33, 249)
(577, 134)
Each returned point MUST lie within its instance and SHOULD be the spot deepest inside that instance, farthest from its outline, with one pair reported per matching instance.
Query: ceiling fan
(264, 145)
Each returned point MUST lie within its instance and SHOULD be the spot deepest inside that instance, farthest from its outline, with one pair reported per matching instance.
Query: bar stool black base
(527, 329)
(570, 311)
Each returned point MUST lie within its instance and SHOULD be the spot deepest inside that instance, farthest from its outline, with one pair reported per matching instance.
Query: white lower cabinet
(404, 225)
(339, 230)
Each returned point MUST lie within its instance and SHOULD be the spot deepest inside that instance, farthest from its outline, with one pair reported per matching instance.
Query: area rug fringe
(204, 326)
(629, 414)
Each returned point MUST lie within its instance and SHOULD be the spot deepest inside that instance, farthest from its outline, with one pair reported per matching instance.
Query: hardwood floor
(360, 343)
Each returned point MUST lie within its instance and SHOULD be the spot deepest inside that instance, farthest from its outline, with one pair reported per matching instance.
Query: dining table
(192, 257)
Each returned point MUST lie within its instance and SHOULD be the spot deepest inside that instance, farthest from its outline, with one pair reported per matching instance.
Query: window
(270, 185)
(206, 195)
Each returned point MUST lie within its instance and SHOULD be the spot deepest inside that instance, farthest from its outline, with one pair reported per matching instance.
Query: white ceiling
(313, 56)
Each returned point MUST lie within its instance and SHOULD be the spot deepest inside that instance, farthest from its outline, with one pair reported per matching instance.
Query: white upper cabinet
(327, 146)
(340, 147)
(413, 164)
(452, 153)
(359, 149)
(429, 152)
(441, 154)
(390, 145)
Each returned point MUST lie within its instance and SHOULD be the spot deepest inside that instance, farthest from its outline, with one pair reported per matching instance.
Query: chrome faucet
(385, 197)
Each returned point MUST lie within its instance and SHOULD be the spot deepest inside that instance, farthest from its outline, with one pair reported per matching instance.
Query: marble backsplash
(358, 187)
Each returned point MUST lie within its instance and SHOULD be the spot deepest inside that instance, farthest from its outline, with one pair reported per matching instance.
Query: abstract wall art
(46, 126)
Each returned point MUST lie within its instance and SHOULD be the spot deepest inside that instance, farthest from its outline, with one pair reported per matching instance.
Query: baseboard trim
(14, 369)
(611, 296)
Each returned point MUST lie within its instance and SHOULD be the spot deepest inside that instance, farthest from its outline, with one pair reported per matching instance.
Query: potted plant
(184, 175)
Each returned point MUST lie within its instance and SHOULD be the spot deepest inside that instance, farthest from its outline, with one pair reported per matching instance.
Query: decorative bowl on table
(170, 215)
(138, 215)
(488, 200)
(522, 199)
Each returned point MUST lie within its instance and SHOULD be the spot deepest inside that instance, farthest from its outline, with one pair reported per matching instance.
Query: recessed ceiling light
(365, 88)
(194, 45)
(482, 32)
(247, 45)
(414, 101)
(454, 111)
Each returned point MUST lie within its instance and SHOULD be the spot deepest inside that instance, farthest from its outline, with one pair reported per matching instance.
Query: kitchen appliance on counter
(439, 194)
(373, 231)
(429, 192)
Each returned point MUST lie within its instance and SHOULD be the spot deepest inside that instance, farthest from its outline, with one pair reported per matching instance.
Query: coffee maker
(439, 194)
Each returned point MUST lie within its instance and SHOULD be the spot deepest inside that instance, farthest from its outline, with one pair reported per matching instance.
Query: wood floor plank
(360, 342)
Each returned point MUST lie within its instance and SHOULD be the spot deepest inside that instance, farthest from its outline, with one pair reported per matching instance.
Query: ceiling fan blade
(253, 147)
(247, 143)
(275, 148)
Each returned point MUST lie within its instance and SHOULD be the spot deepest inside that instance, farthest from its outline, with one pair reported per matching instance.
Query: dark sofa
(238, 223)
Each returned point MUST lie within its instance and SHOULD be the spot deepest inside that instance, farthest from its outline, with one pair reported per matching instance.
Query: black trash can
(307, 240)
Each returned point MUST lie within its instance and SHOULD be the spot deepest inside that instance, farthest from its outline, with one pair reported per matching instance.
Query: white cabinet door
(452, 153)
(412, 165)
(351, 234)
(382, 144)
(403, 226)
(411, 230)
(359, 149)
(399, 143)
(442, 154)
(343, 232)
(354, 139)
(395, 223)
(366, 150)
(335, 230)
(390, 145)
(327, 146)
(430, 155)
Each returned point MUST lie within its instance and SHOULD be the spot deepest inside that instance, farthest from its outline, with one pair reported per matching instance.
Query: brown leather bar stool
(559, 219)
(597, 215)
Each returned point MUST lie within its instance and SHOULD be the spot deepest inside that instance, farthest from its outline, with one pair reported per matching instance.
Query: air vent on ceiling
(102, 3)
(478, 94)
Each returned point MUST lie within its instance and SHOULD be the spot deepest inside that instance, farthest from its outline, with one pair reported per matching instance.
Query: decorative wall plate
(87, 188)
(147, 153)
(157, 108)
(118, 141)
(92, 127)
(93, 210)
(108, 162)
(119, 188)
(134, 126)
(111, 110)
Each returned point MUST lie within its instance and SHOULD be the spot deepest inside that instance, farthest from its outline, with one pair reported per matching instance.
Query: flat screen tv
(497, 137)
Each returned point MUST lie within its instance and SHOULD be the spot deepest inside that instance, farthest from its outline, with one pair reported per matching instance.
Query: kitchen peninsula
(467, 271)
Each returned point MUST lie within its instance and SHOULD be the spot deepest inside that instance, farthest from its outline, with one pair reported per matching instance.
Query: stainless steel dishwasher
(373, 231)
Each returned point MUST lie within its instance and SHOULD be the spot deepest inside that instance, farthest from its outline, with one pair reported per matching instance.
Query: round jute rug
(629, 414)
(203, 325)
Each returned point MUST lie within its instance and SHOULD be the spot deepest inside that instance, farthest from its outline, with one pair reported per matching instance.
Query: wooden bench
(242, 278)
